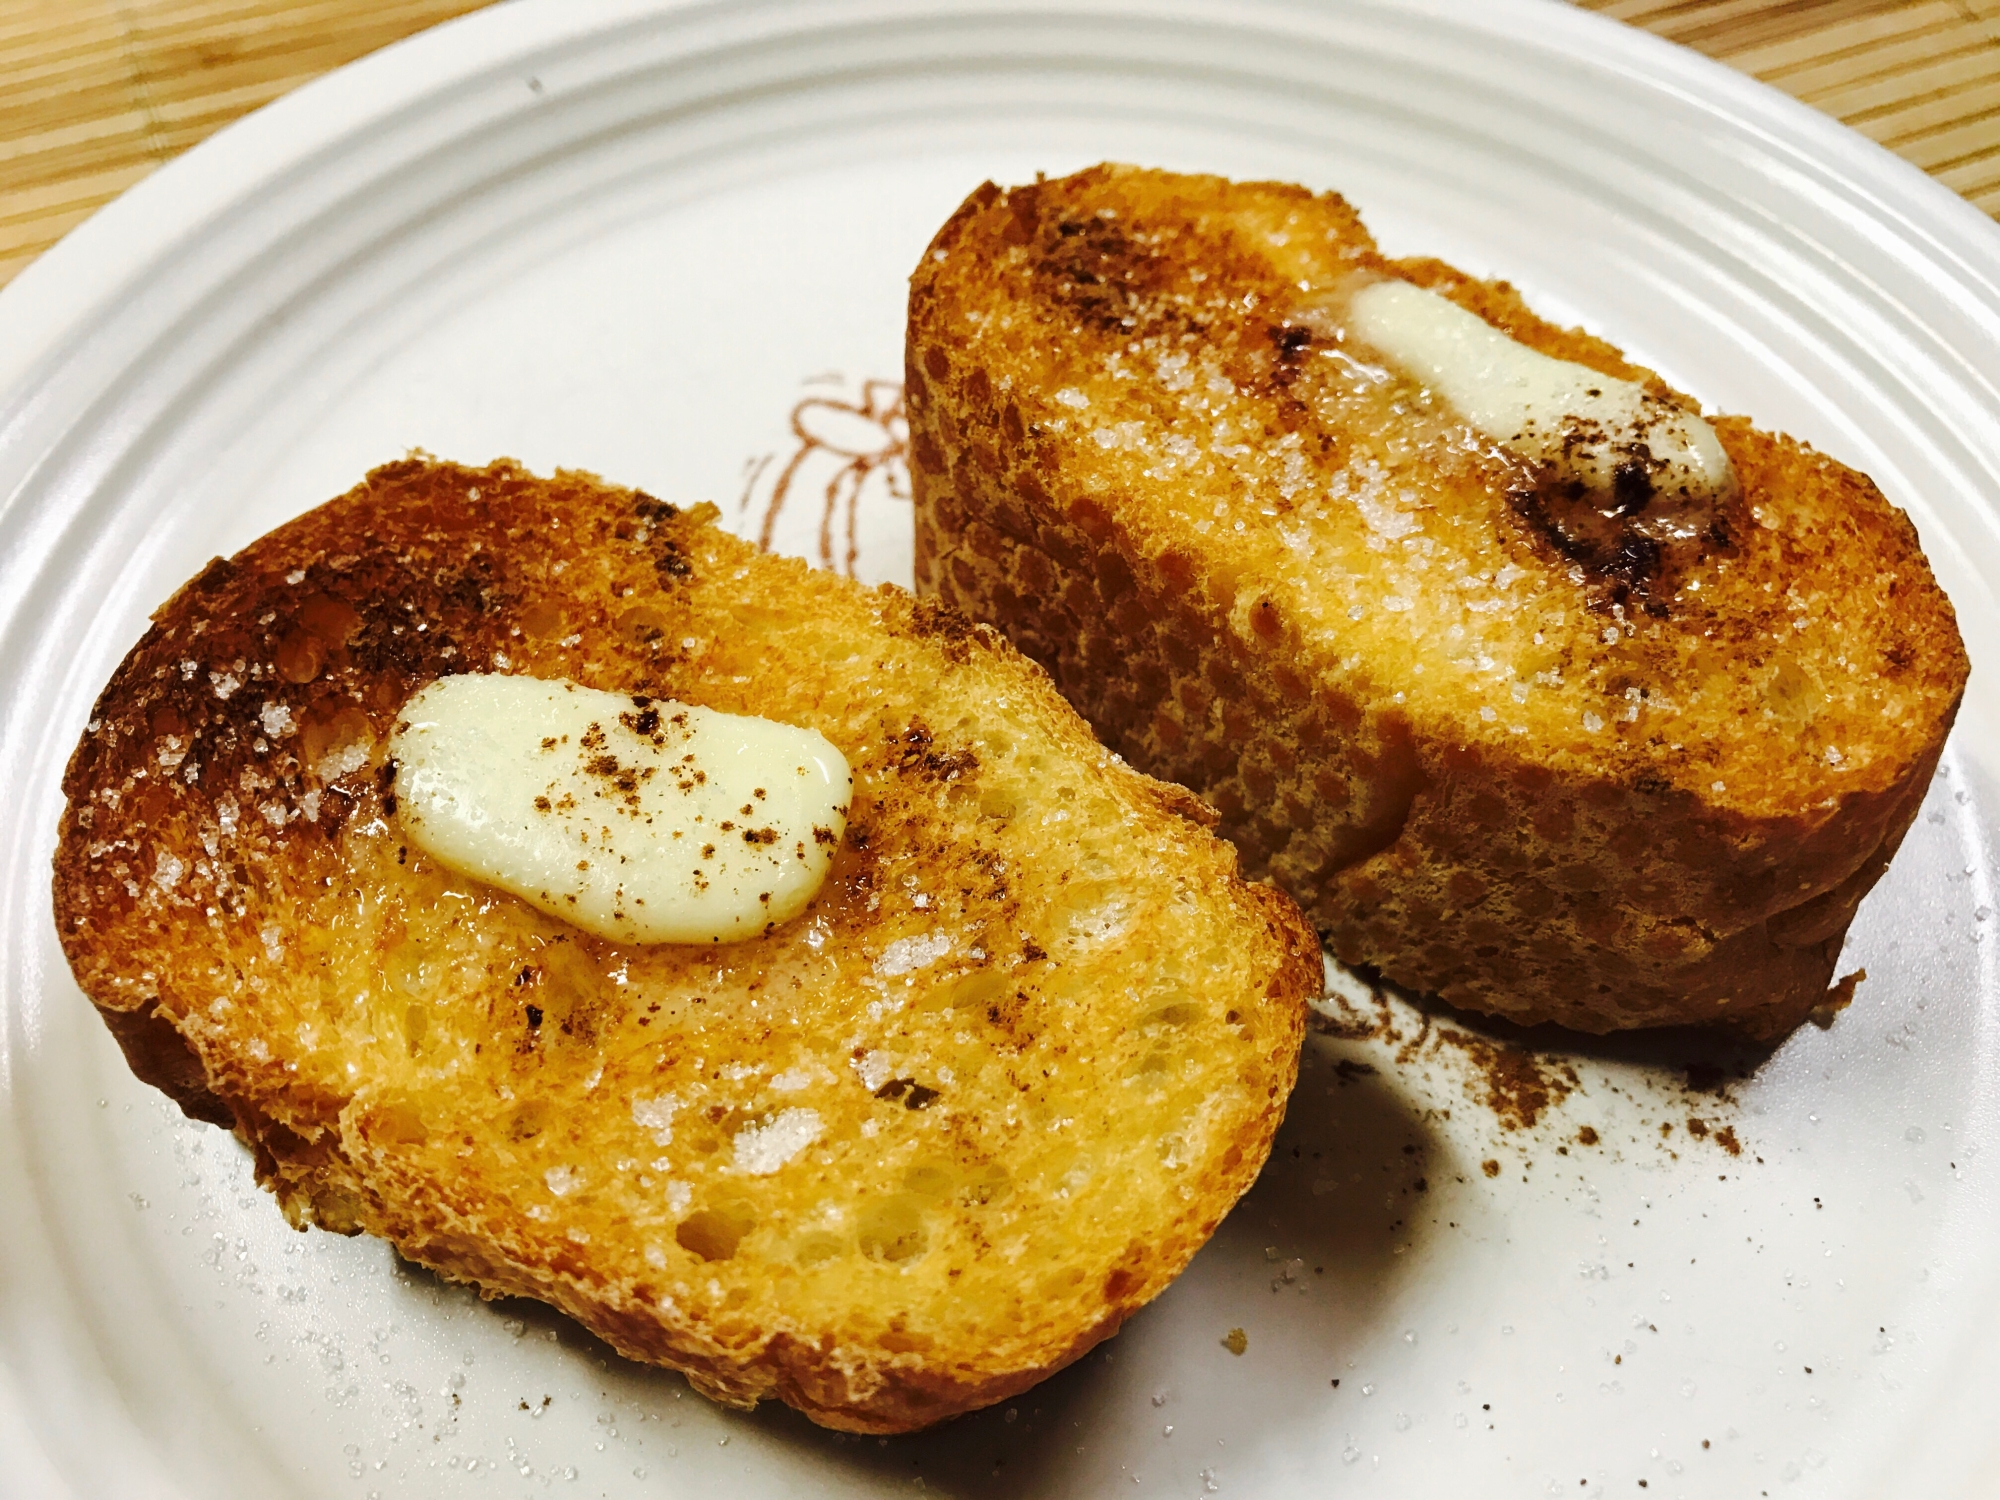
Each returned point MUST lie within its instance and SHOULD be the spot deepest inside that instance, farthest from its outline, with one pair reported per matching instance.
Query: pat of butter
(1587, 424)
(641, 820)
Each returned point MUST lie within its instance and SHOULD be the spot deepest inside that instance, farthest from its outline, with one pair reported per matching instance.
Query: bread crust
(1120, 458)
(412, 1055)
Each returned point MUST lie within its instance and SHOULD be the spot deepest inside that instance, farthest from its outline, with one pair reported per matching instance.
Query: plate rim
(103, 253)
(80, 278)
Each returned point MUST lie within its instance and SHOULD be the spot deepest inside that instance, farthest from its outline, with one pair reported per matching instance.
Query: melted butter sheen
(1546, 410)
(640, 820)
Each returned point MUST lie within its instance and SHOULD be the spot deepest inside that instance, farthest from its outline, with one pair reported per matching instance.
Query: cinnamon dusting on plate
(1526, 1080)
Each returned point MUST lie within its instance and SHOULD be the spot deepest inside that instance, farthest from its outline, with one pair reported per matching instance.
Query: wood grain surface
(94, 94)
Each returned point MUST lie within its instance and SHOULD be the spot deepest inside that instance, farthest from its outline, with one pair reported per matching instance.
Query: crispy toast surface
(915, 1149)
(1283, 576)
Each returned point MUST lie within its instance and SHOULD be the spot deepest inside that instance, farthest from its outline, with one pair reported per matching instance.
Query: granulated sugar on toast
(1552, 722)
(903, 1156)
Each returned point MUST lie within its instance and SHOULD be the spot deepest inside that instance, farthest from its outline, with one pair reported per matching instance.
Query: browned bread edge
(460, 549)
(1600, 892)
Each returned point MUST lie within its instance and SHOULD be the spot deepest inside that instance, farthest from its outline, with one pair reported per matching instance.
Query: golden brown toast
(1536, 781)
(1044, 1028)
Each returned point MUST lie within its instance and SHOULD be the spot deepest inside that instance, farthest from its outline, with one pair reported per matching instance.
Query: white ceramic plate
(626, 236)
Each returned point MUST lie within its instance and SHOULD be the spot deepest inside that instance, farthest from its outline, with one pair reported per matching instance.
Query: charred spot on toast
(1091, 266)
(218, 575)
(953, 630)
(913, 1095)
(1290, 343)
(917, 755)
(1094, 270)
(1637, 544)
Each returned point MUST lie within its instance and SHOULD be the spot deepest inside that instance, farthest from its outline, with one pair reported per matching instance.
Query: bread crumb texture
(1269, 568)
(901, 1157)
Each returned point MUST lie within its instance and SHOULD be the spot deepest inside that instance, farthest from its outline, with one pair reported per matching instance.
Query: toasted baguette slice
(1537, 788)
(1043, 1029)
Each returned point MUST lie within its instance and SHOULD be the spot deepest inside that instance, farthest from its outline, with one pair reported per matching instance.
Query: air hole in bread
(542, 621)
(892, 1229)
(416, 1027)
(299, 657)
(1178, 1013)
(929, 1180)
(642, 625)
(988, 1183)
(399, 1123)
(335, 741)
(816, 1247)
(528, 1120)
(714, 1233)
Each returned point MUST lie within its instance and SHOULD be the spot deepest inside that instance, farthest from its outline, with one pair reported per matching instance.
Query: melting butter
(1610, 435)
(641, 820)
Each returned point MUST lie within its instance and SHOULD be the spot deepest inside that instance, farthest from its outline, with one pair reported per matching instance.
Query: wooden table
(94, 94)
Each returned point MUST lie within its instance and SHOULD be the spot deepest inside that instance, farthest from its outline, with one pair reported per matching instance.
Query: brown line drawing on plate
(855, 435)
